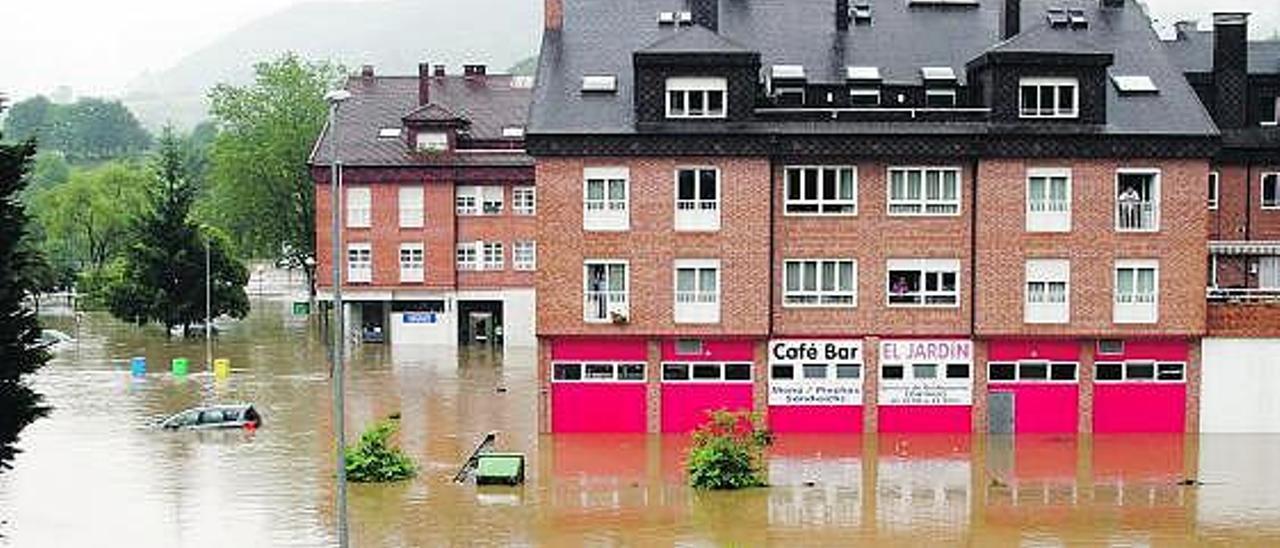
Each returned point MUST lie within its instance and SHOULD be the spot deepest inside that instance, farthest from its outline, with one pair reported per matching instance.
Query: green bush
(375, 460)
(728, 452)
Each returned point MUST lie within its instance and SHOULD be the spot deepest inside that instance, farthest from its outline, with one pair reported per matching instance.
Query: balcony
(605, 306)
(697, 215)
(1137, 216)
(697, 307)
(1251, 295)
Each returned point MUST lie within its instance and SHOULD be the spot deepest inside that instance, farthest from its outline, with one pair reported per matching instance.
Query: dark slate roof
(432, 113)
(488, 103)
(1192, 51)
(600, 37)
(695, 39)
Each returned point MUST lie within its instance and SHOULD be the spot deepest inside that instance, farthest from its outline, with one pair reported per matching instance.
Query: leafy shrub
(375, 460)
(728, 452)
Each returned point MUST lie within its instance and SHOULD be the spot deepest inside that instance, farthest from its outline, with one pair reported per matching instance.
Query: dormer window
(696, 97)
(864, 97)
(432, 141)
(1049, 98)
(940, 98)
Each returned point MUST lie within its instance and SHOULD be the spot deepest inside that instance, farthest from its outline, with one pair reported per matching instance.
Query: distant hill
(393, 35)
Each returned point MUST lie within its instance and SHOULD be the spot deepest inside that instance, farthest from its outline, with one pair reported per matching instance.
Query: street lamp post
(335, 99)
(208, 307)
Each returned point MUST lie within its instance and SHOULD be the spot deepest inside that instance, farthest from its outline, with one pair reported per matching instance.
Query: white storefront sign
(815, 372)
(932, 372)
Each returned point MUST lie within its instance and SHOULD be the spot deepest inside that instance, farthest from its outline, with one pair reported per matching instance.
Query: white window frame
(1017, 371)
(1039, 307)
(466, 200)
(820, 201)
(431, 141)
(1269, 272)
(582, 372)
(1154, 201)
(360, 271)
(1047, 214)
(723, 365)
(467, 256)
(1134, 308)
(1215, 189)
(923, 202)
(488, 251)
(924, 267)
(1262, 187)
(622, 305)
(476, 200)
(1056, 111)
(524, 255)
(821, 299)
(359, 204)
(492, 199)
(688, 86)
(698, 214)
(606, 214)
(524, 200)
(411, 270)
(1124, 371)
(412, 204)
(699, 306)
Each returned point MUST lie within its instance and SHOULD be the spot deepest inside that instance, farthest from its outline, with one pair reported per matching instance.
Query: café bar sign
(828, 391)
(926, 391)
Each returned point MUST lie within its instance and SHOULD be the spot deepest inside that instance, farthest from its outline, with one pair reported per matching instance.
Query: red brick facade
(1240, 215)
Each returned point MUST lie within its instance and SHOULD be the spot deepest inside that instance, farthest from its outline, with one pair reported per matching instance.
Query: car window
(212, 416)
(230, 414)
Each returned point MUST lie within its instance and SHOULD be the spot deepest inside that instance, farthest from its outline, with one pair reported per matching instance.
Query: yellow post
(221, 368)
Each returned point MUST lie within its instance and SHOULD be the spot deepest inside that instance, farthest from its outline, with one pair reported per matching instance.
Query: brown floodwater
(95, 473)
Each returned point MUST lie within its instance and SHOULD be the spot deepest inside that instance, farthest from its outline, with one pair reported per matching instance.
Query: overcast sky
(97, 46)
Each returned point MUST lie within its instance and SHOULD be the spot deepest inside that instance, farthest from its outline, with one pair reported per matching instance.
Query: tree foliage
(728, 452)
(374, 459)
(86, 219)
(88, 130)
(20, 353)
(262, 191)
(161, 275)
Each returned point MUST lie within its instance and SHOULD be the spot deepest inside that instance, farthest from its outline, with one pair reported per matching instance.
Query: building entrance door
(1000, 417)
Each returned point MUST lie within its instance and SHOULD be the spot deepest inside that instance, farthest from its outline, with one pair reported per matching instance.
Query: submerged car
(215, 417)
(54, 340)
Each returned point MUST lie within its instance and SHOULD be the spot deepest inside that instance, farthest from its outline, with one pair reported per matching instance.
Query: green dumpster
(180, 366)
(500, 469)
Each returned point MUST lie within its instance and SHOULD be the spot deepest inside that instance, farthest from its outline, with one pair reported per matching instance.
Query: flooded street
(95, 473)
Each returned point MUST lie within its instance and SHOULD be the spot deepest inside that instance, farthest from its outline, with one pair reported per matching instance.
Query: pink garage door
(692, 390)
(924, 418)
(598, 386)
(845, 419)
(1043, 377)
(1042, 408)
(1139, 395)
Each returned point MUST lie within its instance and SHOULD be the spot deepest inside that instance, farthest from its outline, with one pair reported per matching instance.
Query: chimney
(1113, 3)
(424, 83)
(472, 71)
(1011, 19)
(706, 13)
(553, 15)
(842, 15)
(1183, 29)
(366, 73)
(1231, 68)
(439, 72)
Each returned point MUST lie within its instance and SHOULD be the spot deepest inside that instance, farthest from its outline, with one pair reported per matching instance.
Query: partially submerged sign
(815, 372)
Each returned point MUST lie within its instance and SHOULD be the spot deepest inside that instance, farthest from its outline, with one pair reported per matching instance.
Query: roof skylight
(389, 133)
(513, 132)
(1133, 85)
(862, 73)
(938, 74)
(599, 83)
(787, 72)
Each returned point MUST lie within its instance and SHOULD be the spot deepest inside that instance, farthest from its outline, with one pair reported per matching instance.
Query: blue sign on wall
(419, 317)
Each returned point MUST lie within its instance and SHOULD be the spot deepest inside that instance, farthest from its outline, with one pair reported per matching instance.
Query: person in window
(900, 286)
(1130, 205)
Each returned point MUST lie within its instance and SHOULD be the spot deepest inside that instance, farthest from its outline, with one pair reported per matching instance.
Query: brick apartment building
(863, 215)
(438, 206)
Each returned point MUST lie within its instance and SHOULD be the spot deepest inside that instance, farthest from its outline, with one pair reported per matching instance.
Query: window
(524, 255)
(597, 372)
(359, 207)
(688, 347)
(820, 282)
(468, 256)
(605, 291)
(1140, 371)
(1048, 291)
(1269, 272)
(924, 191)
(940, 98)
(605, 196)
(492, 255)
(706, 372)
(697, 293)
(1137, 200)
(1049, 98)
(696, 97)
(864, 97)
(1136, 291)
(359, 263)
(1213, 190)
(924, 282)
(1048, 200)
(524, 200)
(697, 199)
(431, 141)
(1031, 371)
(411, 207)
(924, 371)
(1271, 191)
(821, 190)
(1110, 346)
(411, 263)
(389, 133)
(479, 200)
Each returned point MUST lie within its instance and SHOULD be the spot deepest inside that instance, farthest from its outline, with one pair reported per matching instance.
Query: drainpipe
(973, 252)
(772, 238)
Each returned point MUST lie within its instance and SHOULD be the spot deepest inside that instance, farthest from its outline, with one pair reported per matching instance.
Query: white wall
(443, 332)
(1240, 385)
(518, 306)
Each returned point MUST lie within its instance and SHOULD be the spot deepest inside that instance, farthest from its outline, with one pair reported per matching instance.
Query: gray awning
(1244, 248)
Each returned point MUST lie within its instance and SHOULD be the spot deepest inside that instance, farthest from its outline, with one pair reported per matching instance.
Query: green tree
(262, 191)
(162, 273)
(29, 119)
(86, 219)
(20, 352)
(88, 130)
(49, 170)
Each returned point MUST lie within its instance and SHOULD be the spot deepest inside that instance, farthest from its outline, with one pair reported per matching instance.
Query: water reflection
(95, 472)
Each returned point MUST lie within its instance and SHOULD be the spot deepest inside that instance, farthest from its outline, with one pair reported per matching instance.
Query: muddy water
(96, 474)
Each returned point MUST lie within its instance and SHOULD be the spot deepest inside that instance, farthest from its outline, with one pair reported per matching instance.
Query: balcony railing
(697, 205)
(1243, 295)
(1137, 216)
(597, 305)
(697, 297)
